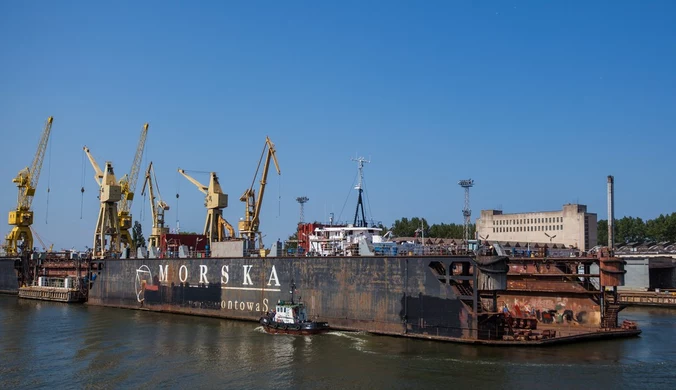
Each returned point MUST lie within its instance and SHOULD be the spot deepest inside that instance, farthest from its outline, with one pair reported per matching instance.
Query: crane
(128, 186)
(215, 201)
(157, 209)
(26, 181)
(248, 227)
(107, 224)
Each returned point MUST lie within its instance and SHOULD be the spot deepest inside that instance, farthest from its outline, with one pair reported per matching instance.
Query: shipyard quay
(572, 226)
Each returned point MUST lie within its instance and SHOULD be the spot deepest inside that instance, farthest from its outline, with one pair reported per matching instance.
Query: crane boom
(36, 166)
(249, 225)
(97, 170)
(27, 181)
(128, 186)
(215, 201)
(199, 185)
(128, 182)
(148, 182)
(156, 208)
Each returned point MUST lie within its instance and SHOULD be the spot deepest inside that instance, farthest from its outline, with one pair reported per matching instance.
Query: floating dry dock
(452, 298)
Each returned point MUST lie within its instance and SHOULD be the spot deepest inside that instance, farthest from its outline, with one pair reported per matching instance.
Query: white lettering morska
(247, 277)
(224, 274)
(203, 274)
(183, 276)
(273, 275)
(164, 273)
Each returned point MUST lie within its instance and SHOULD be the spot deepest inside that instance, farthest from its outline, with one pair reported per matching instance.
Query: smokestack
(611, 212)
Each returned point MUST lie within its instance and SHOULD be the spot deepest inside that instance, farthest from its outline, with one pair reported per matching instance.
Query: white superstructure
(342, 240)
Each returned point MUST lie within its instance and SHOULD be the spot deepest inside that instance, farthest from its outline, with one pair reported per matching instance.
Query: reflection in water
(59, 345)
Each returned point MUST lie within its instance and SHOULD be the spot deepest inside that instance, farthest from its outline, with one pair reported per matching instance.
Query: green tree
(291, 242)
(602, 232)
(137, 235)
(407, 228)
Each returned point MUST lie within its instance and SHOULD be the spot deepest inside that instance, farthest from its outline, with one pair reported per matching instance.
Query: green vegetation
(407, 227)
(630, 229)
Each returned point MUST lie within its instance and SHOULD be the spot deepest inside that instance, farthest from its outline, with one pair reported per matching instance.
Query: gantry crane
(26, 181)
(128, 186)
(107, 225)
(157, 209)
(248, 227)
(215, 201)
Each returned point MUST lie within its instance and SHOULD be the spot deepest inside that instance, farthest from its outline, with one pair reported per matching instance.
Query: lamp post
(550, 237)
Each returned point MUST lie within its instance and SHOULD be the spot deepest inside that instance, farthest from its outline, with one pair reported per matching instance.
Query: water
(52, 345)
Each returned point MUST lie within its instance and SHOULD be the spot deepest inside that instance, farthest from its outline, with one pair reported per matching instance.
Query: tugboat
(291, 318)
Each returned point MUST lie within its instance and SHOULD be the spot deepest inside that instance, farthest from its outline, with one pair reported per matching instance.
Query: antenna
(360, 187)
(466, 211)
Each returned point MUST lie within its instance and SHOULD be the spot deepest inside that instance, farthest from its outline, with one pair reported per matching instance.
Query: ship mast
(360, 187)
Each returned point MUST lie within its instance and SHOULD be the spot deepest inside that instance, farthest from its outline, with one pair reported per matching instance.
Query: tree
(602, 231)
(291, 242)
(407, 228)
(137, 235)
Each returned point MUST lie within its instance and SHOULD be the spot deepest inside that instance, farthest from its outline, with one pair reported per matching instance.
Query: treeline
(630, 229)
(407, 228)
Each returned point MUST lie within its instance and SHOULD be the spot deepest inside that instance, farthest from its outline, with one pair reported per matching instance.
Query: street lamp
(550, 237)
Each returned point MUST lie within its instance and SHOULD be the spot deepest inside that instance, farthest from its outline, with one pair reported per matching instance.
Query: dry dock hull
(393, 296)
(381, 295)
(9, 283)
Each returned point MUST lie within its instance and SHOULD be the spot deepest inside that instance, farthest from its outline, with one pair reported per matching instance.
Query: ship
(355, 279)
(290, 317)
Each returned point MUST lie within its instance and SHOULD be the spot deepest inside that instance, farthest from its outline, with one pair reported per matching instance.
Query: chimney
(611, 212)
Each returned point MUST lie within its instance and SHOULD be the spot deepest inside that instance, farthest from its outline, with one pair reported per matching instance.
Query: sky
(536, 101)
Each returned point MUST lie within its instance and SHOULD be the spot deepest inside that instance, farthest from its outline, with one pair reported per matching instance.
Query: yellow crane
(26, 181)
(215, 201)
(107, 233)
(128, 186)
(157, 209)
(248, 227)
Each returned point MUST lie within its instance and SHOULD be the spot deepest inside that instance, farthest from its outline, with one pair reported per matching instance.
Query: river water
(53, 345)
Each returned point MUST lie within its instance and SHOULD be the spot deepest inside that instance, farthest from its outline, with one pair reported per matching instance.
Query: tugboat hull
(306, 328)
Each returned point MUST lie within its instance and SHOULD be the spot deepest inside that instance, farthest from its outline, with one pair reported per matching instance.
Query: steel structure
(215, 201)
(611, 212)
(128, 186)
(249, 226)
(107, 233)
(26, 181)
(302, 200)
(157, 208)
(466, 211)
(360, 188)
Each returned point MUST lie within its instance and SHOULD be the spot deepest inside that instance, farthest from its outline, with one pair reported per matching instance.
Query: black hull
(9, 281)
(401, 296)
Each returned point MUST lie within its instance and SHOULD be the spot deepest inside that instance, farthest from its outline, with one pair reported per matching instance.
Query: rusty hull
(423, 297)
(380, 295)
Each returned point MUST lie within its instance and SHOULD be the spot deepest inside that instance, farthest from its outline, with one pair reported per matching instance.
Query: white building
(573, 227)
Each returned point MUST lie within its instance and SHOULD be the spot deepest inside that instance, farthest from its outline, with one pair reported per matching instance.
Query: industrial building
(572, 226)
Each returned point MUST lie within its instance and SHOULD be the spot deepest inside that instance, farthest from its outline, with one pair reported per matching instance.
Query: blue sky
(537, 101)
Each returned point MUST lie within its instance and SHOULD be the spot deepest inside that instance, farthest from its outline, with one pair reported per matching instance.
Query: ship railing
(47, 282)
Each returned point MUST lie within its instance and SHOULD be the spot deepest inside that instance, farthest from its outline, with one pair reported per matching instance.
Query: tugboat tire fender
(276, 325)
(297, 327)
(286, 326)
